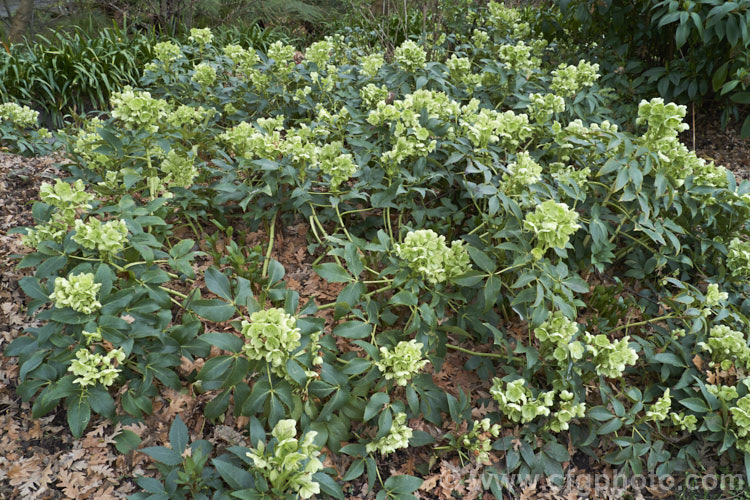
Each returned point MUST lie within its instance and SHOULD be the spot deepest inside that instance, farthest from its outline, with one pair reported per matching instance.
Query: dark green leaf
(332, 272)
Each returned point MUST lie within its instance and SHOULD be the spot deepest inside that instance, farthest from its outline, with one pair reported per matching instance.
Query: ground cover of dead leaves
(39, 458)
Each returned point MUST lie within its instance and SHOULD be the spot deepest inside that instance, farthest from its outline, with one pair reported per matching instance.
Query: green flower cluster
(557, 334)
(290, 466)
(659, 411)
(521, 174)
(244, 61)
(410, 56)
(518, 57)
(738, 258)
(180, 169)
(507, 21)
(66, 199)
(282, 56)
(727, 346)
(544, 106)
(340, 167)
(167, 52)
(741, 418)
(87, 142)
(610, 358)
(664, 121)
(204, 75)
(412, 139)
(245, 140)
(319, 53)
(397, 438)
(553, 223)
(93, 368)
(201, 36)
(20, 116)
(402, 362)
(187, 116)
(684, 422)
(427, 254)
(106, 238)
(78, 292)
(478, 441)
(568, 410)
(371, 94)
(460, 72)
(138, 110)
(568, 80)
(369, 65)
(489, 126)
(297, 143)
(569, 174)
(713, 296)
(517, 402)
(271, 335)
(243, 58)
(725, 393)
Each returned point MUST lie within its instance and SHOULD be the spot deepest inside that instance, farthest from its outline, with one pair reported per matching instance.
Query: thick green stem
(271, 235)
(475, 353)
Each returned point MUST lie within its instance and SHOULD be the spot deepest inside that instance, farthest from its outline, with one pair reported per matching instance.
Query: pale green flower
(488, 126)
(66, 196)
(725, 393)
(478, 441)
(427, 254)
(727, 346)
(517, 403)
(371, 94)
(544, 106)
(93, 368)
(293, 462)
(78, 292)
(186, 116)
(714, 297)
(371, 64)
(67, 199)
(180, 169)
(201, 36)
(410, 56)
(521, 174)
(568, 410)
(271, 336)
(610, 358)
(319, 53)
(738, 258)
(397, 438)
(659, 411)
(20, 116)
(91, 337)
(553, 223)
(518, 57)
(106, 238)
(339, 166)
(204, 74)
(167, 52)
(568, 80)
(137, 109)
(741, 418)
(684, 422)
(557, 335)
(663, 120)
(401, 362)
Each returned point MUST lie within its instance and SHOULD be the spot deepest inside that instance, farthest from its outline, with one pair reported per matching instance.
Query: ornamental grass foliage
(460, 197)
